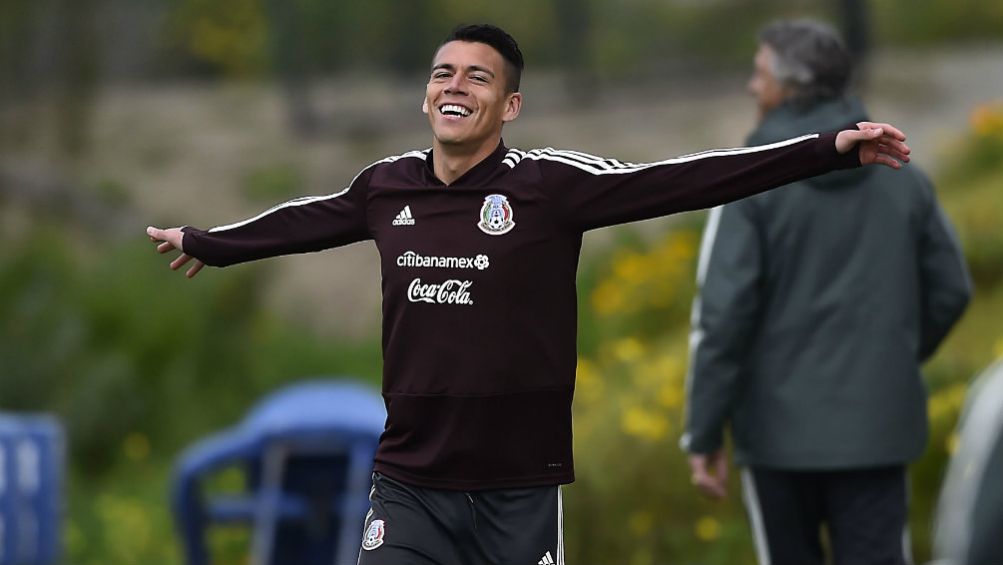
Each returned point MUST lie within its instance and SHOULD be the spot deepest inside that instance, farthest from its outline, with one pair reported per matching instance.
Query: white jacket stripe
(602, 166)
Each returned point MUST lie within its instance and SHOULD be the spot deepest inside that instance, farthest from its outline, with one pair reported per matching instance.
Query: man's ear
(424, 105)
(512, 107)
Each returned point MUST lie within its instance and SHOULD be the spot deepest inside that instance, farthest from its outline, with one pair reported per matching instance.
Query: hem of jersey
(474, 484)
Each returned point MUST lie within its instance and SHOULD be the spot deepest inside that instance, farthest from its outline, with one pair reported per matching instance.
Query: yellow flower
(588, 386)
(607, 298)
(707, 529)
(683, 247)
(670, 396)
(671, 367)
(628, 349)
(947, 403)
(631, 268)
(644, 424)
(988, 119)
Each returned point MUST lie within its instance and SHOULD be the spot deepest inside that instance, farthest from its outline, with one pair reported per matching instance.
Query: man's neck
(450, 162)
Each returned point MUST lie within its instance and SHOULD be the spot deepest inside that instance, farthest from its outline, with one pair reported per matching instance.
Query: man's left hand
(879, 143)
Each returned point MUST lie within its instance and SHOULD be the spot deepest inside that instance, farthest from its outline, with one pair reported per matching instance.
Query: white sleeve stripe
(583, 158)
(311, 199)
(599, 166)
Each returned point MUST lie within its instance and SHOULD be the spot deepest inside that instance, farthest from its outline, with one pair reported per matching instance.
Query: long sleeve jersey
(479, 296)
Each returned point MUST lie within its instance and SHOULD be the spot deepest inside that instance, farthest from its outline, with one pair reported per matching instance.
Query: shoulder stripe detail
(311, 199)
(513, 157)
(603, 166)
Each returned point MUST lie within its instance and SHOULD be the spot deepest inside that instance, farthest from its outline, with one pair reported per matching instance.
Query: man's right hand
(170, 239)
(709, 473)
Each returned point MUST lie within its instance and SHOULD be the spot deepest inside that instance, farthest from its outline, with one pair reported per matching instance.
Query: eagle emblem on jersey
(496, 215)
(374, 535)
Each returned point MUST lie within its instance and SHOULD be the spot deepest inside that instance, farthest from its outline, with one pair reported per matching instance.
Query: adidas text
(404, 218)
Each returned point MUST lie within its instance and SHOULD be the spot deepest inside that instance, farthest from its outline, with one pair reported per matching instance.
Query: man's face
(763, 85)
(466, 99)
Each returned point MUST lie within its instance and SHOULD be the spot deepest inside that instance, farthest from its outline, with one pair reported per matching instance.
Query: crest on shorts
(374, 535)
(496, 215)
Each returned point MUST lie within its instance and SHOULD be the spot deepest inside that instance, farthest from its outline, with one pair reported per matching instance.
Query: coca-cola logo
(452, 291)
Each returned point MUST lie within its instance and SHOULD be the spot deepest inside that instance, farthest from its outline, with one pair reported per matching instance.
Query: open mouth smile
(454, 111)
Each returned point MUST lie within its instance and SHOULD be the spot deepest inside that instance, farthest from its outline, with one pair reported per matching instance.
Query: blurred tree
(574, 32)
(48, 55)
(78, 72)
(855, 17)
(410, 35)
(292, 64)
(15, 40)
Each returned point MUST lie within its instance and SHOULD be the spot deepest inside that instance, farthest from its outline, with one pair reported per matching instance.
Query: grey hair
(809, 57)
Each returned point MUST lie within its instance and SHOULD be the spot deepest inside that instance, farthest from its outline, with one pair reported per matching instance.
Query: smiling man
(479, 246)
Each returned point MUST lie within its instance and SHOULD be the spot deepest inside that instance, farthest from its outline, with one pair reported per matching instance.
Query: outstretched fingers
(182, 260)
(194, 269)
(169, 240)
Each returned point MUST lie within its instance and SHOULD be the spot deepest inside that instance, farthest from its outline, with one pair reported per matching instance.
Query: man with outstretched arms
(479, 245)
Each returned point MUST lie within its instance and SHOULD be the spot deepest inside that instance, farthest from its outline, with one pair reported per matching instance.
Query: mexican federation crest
(496, 215)
(374, 535)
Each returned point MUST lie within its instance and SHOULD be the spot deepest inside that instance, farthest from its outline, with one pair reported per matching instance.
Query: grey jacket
(818, 301)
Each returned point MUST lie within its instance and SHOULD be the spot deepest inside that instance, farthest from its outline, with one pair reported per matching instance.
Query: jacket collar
(478, 175)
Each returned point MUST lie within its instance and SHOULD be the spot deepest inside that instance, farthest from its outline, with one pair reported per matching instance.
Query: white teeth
(454, 109)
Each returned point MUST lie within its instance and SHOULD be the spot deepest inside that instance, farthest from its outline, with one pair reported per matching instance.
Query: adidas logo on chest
(404, 218)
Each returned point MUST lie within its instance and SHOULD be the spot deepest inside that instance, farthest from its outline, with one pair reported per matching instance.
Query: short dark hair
(810, 57)
(498, 39)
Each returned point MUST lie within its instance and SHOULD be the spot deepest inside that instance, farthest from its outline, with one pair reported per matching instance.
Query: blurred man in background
(817, 304)
(479, 246)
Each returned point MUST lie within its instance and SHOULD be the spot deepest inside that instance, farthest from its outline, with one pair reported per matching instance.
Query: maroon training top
(479, 297)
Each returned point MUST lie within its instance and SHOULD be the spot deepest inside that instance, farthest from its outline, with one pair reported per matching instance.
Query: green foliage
(974, 180)
(227, 36)
(240, 37)
(920, 22)
(138, 361)
(112, 193)
(276, 183)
